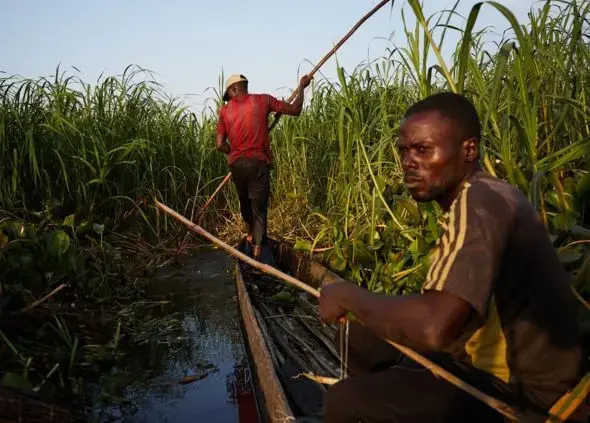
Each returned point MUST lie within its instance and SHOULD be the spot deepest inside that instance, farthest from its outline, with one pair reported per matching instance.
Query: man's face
(434, 161)
(235, 89)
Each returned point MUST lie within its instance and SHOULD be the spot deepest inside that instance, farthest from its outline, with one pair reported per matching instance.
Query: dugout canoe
(284, 336)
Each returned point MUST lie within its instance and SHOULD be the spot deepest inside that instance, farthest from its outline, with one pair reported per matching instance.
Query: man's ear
(471, 149)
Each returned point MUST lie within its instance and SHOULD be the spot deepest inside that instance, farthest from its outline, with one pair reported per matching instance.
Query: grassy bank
(82, 163)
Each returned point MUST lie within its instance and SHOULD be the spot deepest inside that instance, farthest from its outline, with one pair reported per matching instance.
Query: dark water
(208, 345)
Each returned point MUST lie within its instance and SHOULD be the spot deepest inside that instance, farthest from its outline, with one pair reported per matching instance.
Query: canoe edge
(275, 404)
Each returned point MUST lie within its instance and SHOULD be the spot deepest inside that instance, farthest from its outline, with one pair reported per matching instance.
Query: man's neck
(446, 201)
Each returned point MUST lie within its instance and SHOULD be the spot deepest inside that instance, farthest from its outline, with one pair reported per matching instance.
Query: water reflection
(207, 347)
(241, 394)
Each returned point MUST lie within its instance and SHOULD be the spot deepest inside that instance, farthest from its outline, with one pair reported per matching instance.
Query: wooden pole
(434, 368)
(232, 251)
(315, 69)
(335, 48)
(36, 303)
(225, 180)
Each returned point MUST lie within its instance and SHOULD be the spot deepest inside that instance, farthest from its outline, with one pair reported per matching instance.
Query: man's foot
(256, 252)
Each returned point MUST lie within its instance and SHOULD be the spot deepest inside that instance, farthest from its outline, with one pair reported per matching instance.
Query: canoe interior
(285, 336)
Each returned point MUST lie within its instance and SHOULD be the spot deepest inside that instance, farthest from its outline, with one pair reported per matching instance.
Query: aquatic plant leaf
(361, 253)
(14, 380)
(412, 208)
(337, 261)
(302, 245)
(570, 255)
(580, 232)
(58, 243)
(69, 221)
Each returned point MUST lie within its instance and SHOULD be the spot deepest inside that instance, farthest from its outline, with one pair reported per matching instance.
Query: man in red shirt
(243, 120)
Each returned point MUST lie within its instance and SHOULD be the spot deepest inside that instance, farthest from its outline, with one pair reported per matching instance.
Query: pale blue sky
(188, 43)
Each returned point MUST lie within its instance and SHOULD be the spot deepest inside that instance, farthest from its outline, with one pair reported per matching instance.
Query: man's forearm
(400, 319)
(221, 144)
(224, 147)
(298, 102)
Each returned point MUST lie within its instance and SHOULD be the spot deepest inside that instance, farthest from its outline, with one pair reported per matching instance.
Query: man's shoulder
(497, 195)
(262, 97)
(223, 109)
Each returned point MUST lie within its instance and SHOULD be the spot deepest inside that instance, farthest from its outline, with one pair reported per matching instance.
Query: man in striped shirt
(496, 308)
(244, 121)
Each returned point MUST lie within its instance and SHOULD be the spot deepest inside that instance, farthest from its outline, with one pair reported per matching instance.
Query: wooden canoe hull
(273, 403)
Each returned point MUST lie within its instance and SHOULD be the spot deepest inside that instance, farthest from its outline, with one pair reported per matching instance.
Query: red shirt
(244, 120)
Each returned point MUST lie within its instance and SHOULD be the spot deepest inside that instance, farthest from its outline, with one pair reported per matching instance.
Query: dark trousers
(385, 386)
(252, 181)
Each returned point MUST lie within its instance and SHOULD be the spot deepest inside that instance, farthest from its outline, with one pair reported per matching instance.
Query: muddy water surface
(208, 352)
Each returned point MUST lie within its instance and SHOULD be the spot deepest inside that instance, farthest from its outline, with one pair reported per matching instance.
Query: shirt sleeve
(221, 129)
(468, 256)
(278, 106)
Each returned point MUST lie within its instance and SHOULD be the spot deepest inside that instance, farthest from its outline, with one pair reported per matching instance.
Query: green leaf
(564, 221)
(84, 228)
(570, 256)
(355, 274)
(302, 245)
(58, 243)
(375, 246)
(69, 221)
(419, 247)
(412, 209)
(337, 262)
(381, 184)
(14, 380)
(580, 232)
(361, 254)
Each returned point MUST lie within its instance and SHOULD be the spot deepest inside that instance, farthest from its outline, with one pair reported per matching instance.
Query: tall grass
(101, 152)
(531, 91)
(84, 161)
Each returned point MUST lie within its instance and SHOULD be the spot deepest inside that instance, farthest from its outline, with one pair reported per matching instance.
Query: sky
(188, 44)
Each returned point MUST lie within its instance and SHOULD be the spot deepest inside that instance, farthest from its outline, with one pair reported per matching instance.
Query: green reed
(83, 162)
(102, 152)
(531, 91)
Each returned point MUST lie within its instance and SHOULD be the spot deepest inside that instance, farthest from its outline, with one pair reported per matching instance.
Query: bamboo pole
(315, 69)
(438, 371)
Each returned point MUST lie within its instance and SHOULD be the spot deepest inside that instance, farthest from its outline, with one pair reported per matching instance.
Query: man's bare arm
(221, 144)
(292, 109)
(424, 322)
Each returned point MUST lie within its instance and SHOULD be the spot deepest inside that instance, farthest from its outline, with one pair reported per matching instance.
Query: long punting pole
(499, 406)
(315, 69)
